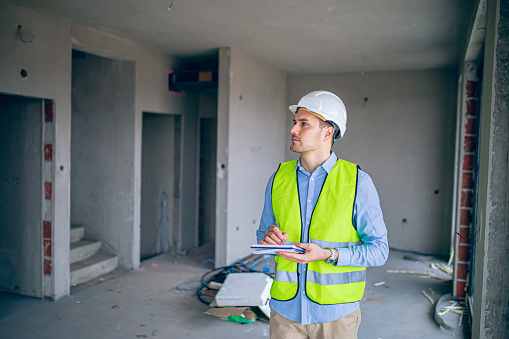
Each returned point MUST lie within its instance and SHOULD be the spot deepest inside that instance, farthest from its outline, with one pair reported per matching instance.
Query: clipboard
(272, 249)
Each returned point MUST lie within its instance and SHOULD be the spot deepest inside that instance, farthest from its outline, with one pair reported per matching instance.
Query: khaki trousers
(344, 328)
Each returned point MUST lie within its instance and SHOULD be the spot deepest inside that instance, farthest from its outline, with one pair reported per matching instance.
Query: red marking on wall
(461, 289)
(47, 190)
(461, 271)
(468, 162)
(469, 144)
(46, 229)
(464, 253)
(48, 112)
(470, 126)
(466, 198)
(466, 217)
(467, 180)
(464, 233)
(48, 266)
(471, 108)
(471, 89)
(46, 243)
(48, 152)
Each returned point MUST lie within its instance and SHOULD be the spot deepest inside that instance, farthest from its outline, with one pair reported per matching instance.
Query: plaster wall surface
(251, 145)
(400, 131)
(102, 156)
(21, 195)
(47, 60)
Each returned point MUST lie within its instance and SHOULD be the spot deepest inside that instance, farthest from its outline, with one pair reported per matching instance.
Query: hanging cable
(25, 37)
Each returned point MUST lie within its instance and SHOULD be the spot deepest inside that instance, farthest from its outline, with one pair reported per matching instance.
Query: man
(330, 208)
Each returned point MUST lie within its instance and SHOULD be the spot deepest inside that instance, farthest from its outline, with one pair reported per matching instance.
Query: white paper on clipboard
(272, 249)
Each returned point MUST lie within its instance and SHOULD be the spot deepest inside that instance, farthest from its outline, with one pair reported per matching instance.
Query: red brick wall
(47, 224)
(464, 227)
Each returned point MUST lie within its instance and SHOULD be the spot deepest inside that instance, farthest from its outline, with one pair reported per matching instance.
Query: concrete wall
(251, 122)
(490, 317)
(401, 132)
(151, 95)
(48, 62)
(21, 195)
(102, 139)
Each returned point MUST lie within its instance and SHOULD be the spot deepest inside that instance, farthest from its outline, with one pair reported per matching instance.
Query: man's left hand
(313, 253)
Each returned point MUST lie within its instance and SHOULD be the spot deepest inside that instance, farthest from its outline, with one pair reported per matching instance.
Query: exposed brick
(470, 126)
(469, 144)
(47, 190)
(464, 233)
(471, 108)
(47, 247)
(467, 180)
(48, 152)
(464, 253)
(48, 111)
(468, 162)
(46, 229)
(461, 287)
(48, 297)
(466, 216)
(471, 89)
(466, 199)
(461, 271)
(47, 267)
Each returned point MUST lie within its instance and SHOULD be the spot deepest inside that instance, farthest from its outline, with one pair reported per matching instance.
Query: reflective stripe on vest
(331, 226)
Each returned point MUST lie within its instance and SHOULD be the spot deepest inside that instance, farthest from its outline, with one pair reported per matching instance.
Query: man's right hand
(274, 236)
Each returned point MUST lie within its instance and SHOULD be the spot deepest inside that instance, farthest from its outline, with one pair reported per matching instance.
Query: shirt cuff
(343, 257)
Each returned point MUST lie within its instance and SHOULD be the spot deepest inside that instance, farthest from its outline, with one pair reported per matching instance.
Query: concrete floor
(145, 303)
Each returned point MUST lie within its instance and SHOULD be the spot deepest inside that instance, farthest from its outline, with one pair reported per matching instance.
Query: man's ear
(329, 133)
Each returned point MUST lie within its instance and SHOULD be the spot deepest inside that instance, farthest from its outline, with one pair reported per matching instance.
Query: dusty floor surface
(145, 303)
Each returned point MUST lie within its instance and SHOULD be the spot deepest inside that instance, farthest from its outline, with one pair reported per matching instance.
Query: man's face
(307, 136)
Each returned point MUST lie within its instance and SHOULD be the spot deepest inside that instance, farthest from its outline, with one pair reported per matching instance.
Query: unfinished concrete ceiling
(297, 36)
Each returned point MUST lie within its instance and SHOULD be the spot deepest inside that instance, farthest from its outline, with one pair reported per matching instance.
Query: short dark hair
(324, 124)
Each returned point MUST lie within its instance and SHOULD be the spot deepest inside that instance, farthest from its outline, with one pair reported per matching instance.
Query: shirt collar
(327, 164)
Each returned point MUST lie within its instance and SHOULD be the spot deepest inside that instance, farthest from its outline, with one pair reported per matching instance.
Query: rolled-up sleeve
(368, 220)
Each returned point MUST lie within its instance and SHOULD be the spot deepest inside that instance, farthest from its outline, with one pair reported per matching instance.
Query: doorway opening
(21, 195)
(207, 183)
(160, 183)
(102, 165)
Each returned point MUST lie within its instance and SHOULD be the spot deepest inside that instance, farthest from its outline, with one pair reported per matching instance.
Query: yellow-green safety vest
(331, 226)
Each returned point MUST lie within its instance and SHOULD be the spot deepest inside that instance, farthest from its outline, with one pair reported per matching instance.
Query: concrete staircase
(88, 259)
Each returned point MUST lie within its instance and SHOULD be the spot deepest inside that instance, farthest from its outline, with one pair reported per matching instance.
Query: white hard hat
(327, 105)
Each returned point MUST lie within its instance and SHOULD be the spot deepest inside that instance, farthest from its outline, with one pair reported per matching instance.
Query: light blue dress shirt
(370, 225)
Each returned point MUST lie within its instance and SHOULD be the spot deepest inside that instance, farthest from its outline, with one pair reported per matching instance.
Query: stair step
(99, 264)
(83, 249)
(77, 233)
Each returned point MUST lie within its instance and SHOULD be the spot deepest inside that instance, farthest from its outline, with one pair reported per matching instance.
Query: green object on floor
(240, 319)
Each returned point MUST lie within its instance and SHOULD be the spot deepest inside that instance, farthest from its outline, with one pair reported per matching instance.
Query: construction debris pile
(238, 292)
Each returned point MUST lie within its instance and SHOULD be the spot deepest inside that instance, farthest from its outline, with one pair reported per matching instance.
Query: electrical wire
(24, 36)
(171, 5)
(188, 282)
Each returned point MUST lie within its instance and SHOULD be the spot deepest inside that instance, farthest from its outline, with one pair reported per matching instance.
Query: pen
(277, 225)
